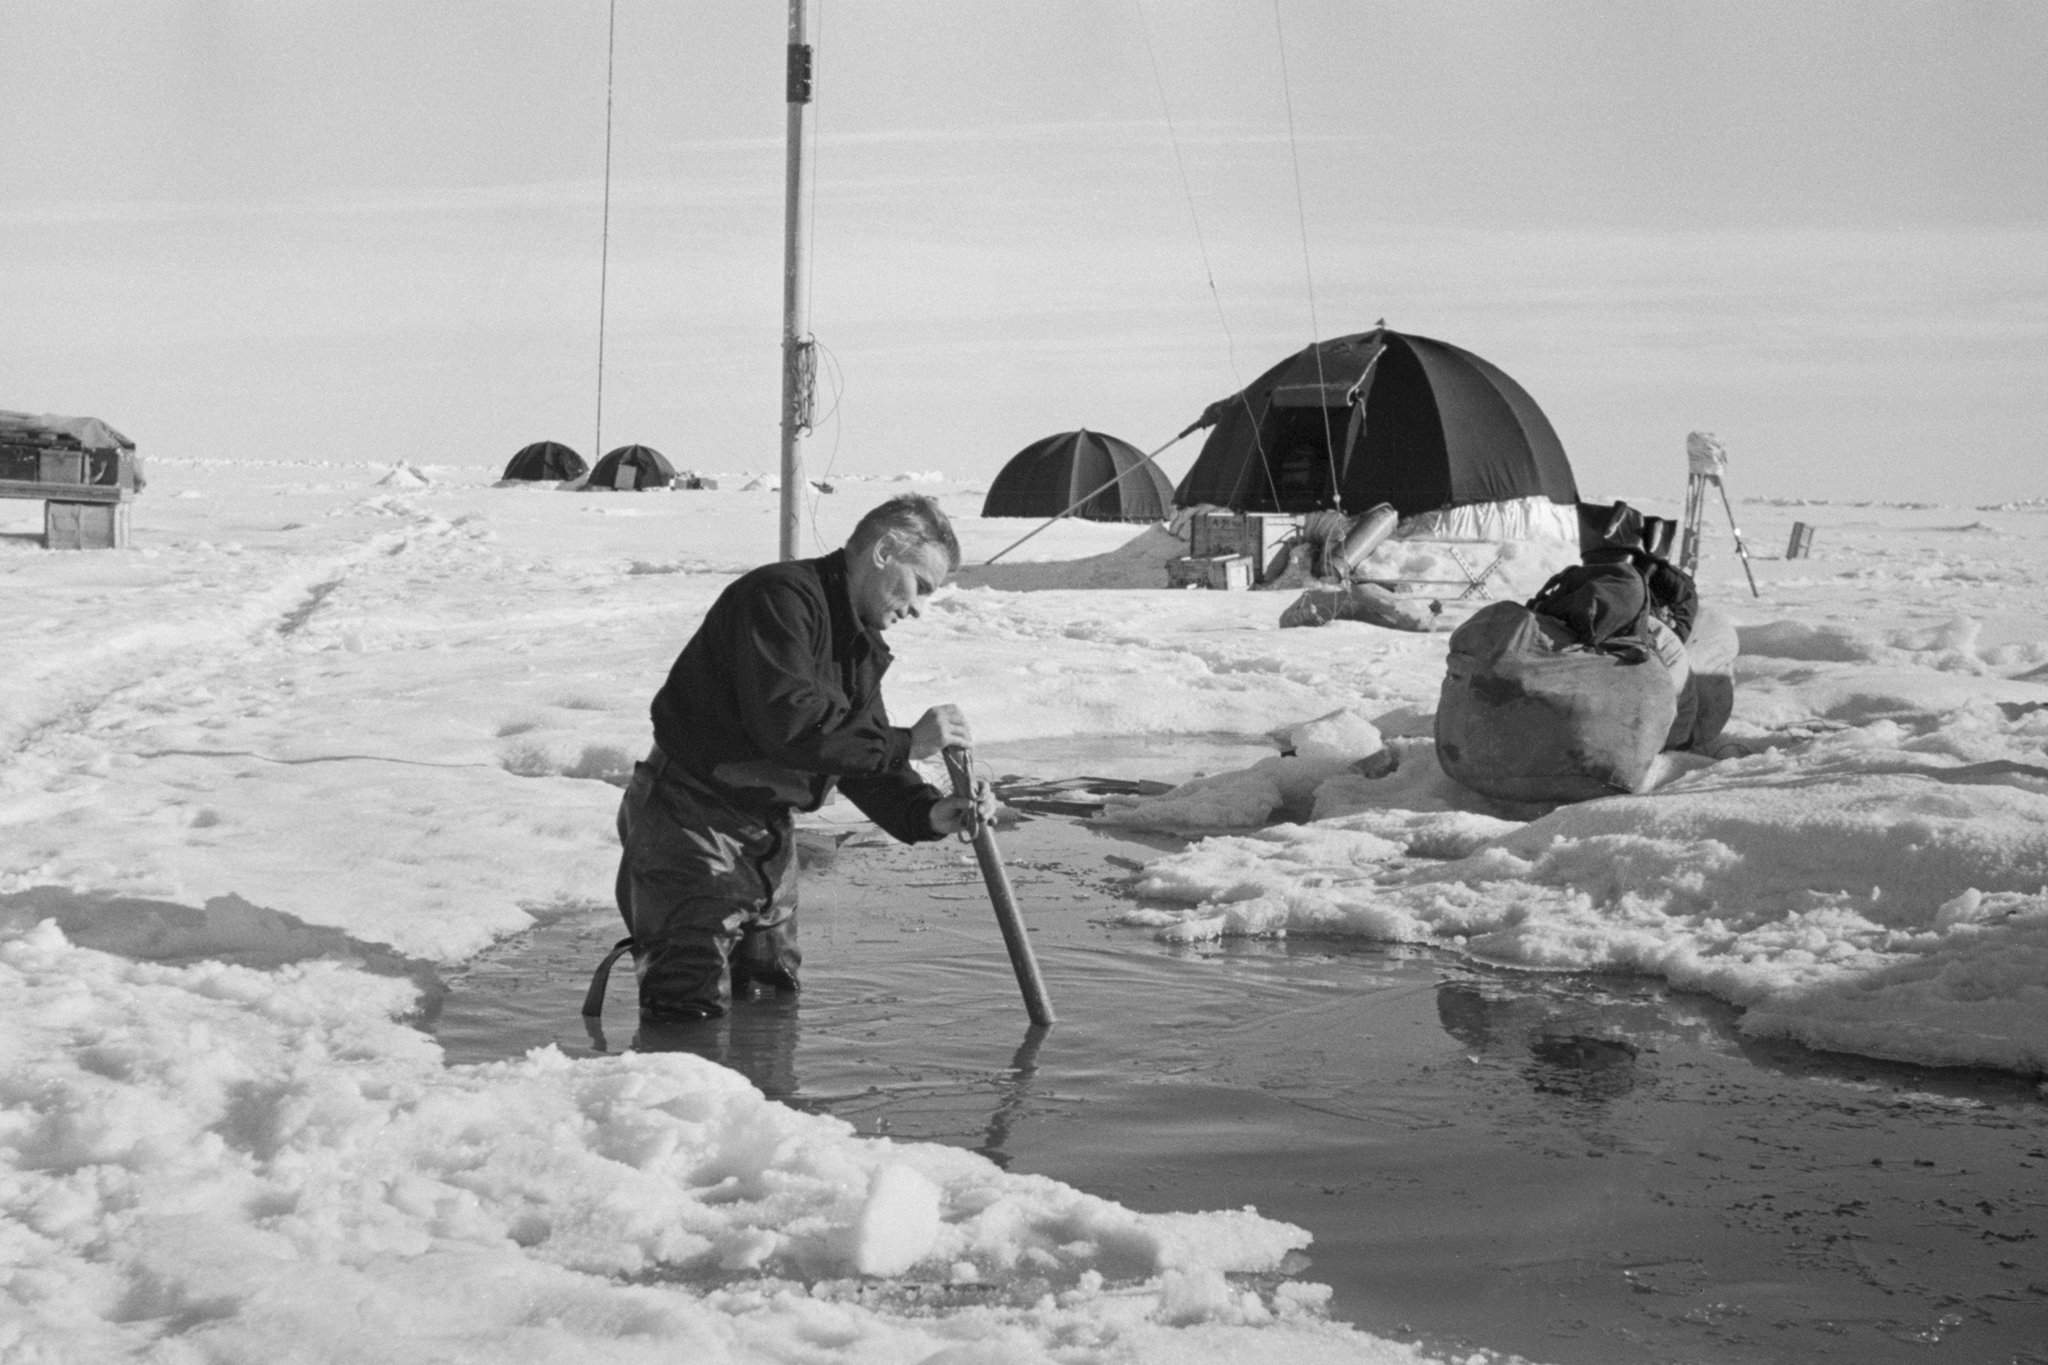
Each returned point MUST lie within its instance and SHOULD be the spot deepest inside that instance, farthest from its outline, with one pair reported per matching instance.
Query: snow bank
(227, 1163)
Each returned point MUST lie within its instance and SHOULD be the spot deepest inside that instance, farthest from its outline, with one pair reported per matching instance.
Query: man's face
(895, 581)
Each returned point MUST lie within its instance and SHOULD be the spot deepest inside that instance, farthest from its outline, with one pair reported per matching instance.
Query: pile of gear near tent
(1575, 693)
(1383, 437)
(544, 461)
(1080, 473)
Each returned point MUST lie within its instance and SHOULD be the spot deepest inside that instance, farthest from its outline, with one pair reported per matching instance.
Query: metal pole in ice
(960, 765)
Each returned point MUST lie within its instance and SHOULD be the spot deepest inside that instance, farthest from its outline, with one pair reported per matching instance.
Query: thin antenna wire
(605, 249)
(1307, 265)
(1186, 188)
(1202, 247)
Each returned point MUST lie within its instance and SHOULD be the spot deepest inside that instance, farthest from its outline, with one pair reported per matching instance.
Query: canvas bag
(1528, 714)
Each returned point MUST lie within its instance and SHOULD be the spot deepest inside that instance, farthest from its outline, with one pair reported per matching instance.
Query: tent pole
(799, 359)
(1085, 496)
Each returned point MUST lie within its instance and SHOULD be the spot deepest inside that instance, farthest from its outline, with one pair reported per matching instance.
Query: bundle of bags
(1574, 693)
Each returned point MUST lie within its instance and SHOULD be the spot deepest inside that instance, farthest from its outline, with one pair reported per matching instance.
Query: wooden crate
(1211, 534)
(85, 525)
(1229, 572)
(1802, 541)
(23, 463)
(62, 466)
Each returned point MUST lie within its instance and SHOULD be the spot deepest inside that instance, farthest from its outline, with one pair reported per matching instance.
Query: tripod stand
(1707, 462)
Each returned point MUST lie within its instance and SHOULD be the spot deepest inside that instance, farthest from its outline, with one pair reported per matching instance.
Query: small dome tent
(1385, 417)
(1048, 477)
(632, 468)
(545, 460)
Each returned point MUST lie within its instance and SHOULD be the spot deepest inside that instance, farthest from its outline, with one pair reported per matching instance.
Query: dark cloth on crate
(773, 702)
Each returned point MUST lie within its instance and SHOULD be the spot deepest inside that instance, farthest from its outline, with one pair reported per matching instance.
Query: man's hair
(911, 519)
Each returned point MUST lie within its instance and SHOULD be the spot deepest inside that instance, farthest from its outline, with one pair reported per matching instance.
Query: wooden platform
(64, 492)
(77, 516)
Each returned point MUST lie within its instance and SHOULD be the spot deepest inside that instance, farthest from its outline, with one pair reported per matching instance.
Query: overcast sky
(349, 230)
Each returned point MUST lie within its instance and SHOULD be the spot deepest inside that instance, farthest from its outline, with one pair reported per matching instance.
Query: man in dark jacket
(775, 700)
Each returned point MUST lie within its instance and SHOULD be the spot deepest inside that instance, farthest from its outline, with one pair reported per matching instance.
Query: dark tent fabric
(1047, 477)
(545, 460)
(1377, 417)
(632, 467)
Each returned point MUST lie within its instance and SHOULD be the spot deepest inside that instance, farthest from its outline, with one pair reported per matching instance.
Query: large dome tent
(1386, 417)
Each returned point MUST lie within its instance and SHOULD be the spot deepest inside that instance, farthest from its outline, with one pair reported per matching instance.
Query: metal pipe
(960, 765)
(797, 369)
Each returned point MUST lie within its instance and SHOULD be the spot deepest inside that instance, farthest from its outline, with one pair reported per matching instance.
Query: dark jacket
(779, 695)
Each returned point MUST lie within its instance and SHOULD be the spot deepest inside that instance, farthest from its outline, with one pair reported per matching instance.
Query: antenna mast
(799, 356)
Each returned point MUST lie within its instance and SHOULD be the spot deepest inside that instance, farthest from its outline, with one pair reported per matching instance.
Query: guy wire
(1201, 244)
(1186, 188)
(1307, 262)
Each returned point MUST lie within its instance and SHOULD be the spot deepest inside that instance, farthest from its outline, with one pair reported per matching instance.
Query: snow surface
(327, 725)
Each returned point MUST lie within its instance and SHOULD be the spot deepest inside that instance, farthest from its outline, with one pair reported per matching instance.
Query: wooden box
(62, 466)
(1231, 573)
(1229, 533)
(23, 463)
(85, 525)
(1802, 541)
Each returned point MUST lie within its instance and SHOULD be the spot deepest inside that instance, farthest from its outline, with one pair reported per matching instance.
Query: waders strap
(593, 1001)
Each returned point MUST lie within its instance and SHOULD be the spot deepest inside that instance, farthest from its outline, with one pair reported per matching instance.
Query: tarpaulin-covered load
(544, 461)
(1051, 476)
(632, 468)
(47, 448)
(1385, 417)
(1530, 712)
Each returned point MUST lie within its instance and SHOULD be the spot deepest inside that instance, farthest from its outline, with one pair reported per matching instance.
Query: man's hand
(939, 728)
(957, 814)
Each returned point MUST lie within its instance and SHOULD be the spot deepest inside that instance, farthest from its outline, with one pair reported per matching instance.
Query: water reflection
(1012, 1093)
(757, 1038)
(1575, 1047)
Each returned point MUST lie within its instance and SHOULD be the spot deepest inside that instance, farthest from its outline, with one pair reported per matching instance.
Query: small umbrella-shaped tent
(1048, 477)
(632, 467)
(1372, 418)
(545, 460)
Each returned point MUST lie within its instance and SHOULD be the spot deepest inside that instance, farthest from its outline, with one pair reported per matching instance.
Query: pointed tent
(1048, 477)
(1378, 417)
(632, 467)
(550, 460)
